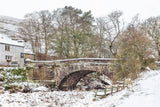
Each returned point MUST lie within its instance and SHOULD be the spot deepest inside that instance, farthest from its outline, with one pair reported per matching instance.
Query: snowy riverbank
(143, 93)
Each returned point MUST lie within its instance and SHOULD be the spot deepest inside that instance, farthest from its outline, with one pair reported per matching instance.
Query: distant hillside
(9, 25)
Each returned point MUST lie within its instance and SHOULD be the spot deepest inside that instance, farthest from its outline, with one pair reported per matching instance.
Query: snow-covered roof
(28, 60)
(6, 40)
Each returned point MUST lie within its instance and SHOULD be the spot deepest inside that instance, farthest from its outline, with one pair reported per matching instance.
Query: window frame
(7, 57)
(7, 47)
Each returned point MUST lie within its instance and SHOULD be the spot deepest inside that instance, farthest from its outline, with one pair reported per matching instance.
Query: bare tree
(29, 28)
(113, 26)
(46, 28)
(37, 29)
(100, 32)
(152, 27)
(61, 39)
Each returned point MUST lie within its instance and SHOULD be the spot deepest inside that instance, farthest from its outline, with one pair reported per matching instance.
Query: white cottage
(11, 51)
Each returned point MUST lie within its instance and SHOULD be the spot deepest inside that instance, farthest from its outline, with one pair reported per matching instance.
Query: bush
(14, 75)
(7, 87)
(134, 53)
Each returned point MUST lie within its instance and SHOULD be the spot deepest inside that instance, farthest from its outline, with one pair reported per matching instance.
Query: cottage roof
(6, 40)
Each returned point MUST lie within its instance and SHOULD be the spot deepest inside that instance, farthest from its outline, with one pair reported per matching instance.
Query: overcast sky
(146, 8)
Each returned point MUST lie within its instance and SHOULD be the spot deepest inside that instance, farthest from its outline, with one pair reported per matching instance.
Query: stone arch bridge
(68, 72)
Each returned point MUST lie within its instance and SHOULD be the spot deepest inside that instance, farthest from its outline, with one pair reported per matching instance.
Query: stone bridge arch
(68, 72)
(70, 81)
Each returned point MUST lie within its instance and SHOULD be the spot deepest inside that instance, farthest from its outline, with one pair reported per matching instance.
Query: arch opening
(70, 81)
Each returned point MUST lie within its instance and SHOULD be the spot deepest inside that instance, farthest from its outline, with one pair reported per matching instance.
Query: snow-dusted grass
(145, 92)
(42, 99)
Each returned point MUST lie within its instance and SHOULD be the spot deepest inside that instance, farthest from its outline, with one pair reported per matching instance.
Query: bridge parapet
(76, 60)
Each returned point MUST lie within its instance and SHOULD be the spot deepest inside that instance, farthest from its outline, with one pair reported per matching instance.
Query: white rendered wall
(15, 52)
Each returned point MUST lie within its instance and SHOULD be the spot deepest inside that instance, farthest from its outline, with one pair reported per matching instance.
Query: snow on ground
(9, 25)
(10, 68)
(45, 99)
(145, 92)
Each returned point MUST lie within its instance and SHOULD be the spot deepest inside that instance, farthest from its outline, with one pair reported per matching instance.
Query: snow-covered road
(145, 92)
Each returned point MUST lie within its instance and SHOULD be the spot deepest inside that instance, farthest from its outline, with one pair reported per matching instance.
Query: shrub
(134, 53)
(14, 75)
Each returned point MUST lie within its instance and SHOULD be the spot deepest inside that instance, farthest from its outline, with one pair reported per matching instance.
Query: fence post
(105, 90)
(111, 90)
(123, 84)
(95, 94)
(117, 88)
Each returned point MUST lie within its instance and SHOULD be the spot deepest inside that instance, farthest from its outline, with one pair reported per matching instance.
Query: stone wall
(30, 56)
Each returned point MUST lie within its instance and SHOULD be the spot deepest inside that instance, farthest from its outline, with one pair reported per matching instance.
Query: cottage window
(22, 55)
(7, 48)
(8, 57)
